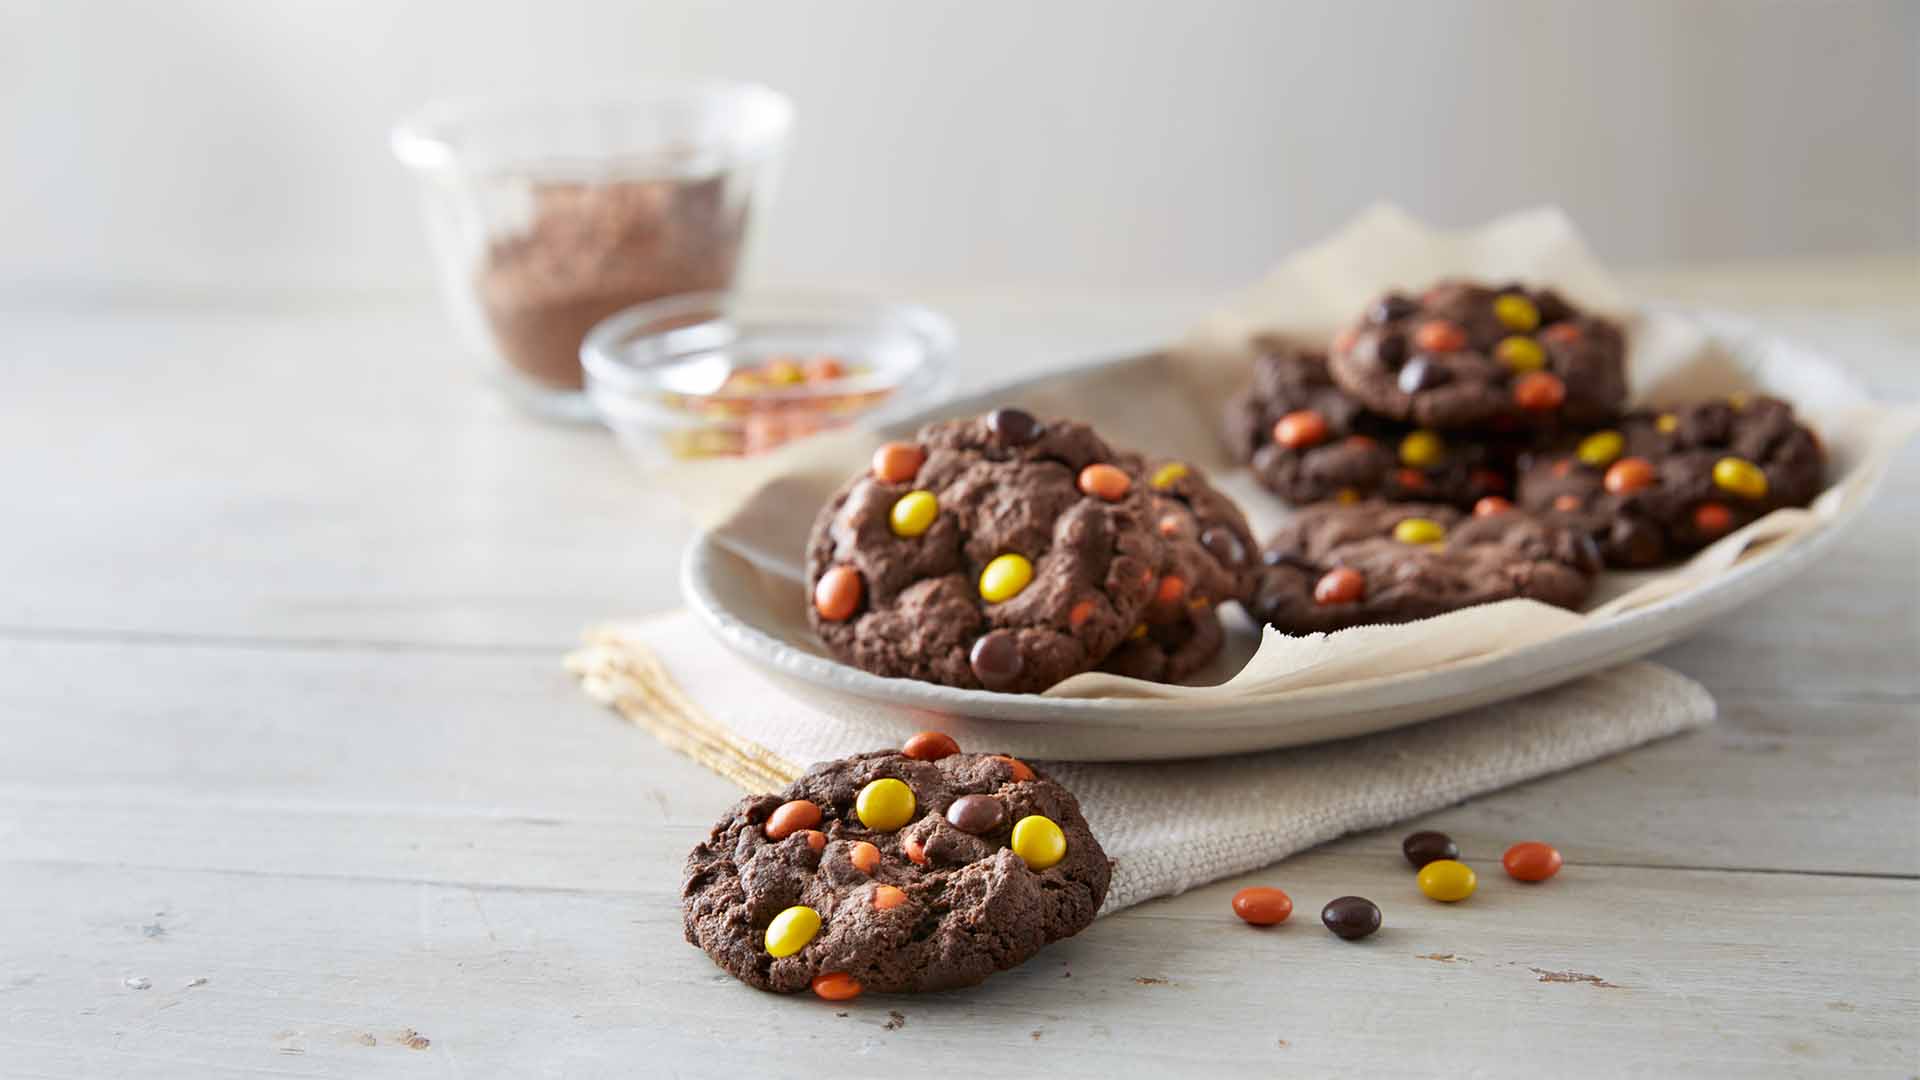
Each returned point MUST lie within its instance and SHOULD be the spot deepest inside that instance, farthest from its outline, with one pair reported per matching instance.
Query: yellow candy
(1600, 448)
(884, 805)
(1743, 478)
(1422, 449)
(1039, 841)
(1139, 631)
(1447, 880)
(1416, 530)
(1346, 496)
(1666, 423)
(1738, 400)
(913, 514)
(1004, 577)
(1516, 312)
(1168, 475)
(1520, 354)
(790, 930)
(784, 373)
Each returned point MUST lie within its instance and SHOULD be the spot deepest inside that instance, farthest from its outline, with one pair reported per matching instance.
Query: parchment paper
(1169, 404)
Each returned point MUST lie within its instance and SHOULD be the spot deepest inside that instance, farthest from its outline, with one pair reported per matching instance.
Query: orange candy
(1299, 430)
(823, 368)
(816, 839)
(1081, 612)
(836, 596)
(1105, 482)
(1439, 336)
(1339, 586)
(1712, 518)
(1566, 503)
(864, 857)
(1262, 906)
(930, 746)
(886, 898)
(1628, 475)
(836, 986)
(1344, 339)
(791, 817)
(1021, 772)
(1540, 391)
(1565, 331)
(916, 854)
(1362, 442)
(1171, 590)
(1491, 505)
(1563, 467)
(1412, 479)
(1531, 861)
(898, 462)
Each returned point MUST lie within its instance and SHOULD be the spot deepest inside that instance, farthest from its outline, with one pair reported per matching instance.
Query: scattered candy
(1539, 391)
(930, 746)
(1562, 332)
(1741, 477)
(887, 897)
(1520, 355)
(1422, 449)
(1168, 475)
(1516, 312)
(1139, 631)
(1628, 475)
(1490, 505)
(1439, 336)
(790, 930)
(913, 513)
(1415, 530)
(884, 805)
(1411, 479)
(1448, 880)
(864, 857)
(1262, 906)
(791, 817)
(1171, 591)
(836, 596)
(1422, 848)
(1600, 448)
(1021, 773)
(898, 463)
(816, 839)
(1712, 519)
(1004, 578)
(1531, 861)
(1300, 430)
(1081, 612)
(914, 851)
(1422, 372)
(996, 659)
(1039, 841)
(1015, 427)
(1351, 917)
(783, 372)
(1666, 423)
(1104, 482)
(1173, 527)
(976, 815)
(1737, 401)
(836, 986)
(1339, 586)
(1566, 503)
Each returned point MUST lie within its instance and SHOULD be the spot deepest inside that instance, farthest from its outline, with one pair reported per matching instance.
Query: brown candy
(1422, 848)
(1351, 917)
(996, 660)
(976, 814)
(1014, 427)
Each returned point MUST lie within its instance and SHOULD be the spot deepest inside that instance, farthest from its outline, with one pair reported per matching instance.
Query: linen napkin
(1169, 826)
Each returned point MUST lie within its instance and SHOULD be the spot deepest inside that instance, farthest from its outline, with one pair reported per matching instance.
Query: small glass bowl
(726, 374)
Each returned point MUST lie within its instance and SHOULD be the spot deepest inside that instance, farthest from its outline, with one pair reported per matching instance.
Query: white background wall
(219, 144)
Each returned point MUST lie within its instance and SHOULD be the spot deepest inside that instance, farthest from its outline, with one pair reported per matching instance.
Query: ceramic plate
(732, 594)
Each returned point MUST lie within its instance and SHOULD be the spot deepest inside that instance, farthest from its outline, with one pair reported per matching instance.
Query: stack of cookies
(1457, 448)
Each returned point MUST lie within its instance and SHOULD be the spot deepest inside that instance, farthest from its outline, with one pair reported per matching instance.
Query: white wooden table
(292, 782)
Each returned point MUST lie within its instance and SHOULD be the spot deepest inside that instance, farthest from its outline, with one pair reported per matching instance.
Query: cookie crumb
(895, 1020)
(367, 1039)
(138, 982)
(1149, 980)
(1442, 957)
(413, 1040)
(1036, 1033)
(1575, 977)
(841, 1014)
(1282, 1043)
(198, 980)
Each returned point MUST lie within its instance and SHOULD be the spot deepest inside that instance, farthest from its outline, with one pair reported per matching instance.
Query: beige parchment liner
(1168, 405)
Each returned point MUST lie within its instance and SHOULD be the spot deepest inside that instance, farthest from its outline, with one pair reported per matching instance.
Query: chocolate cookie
(894, 871)
(1306, 440)
(999, 552)
(1210, 559)
(1466, 355)
(1663, 483)
(1338, 566)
